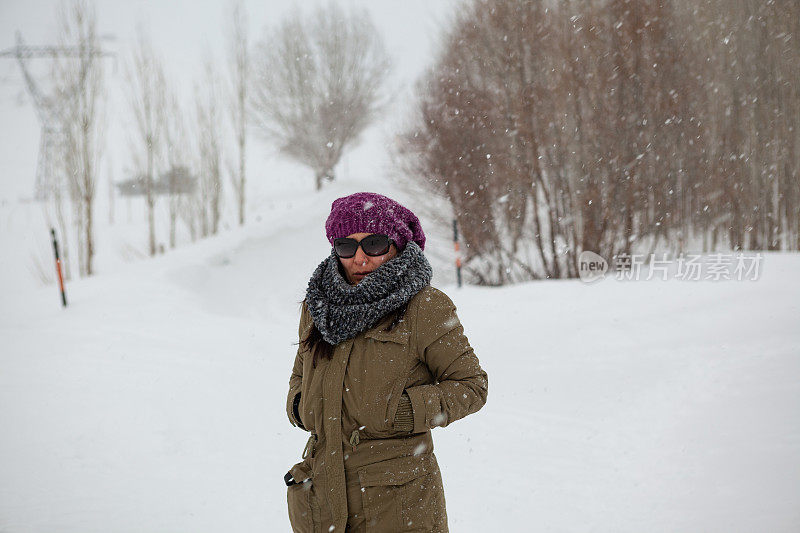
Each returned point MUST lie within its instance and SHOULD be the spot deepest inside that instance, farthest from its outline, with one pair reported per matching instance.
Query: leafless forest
(550, 128)
(617, 126)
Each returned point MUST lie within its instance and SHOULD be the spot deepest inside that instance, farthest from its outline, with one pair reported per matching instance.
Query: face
(361, 264)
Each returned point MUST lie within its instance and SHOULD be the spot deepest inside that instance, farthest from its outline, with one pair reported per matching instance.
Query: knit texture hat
(369, 212)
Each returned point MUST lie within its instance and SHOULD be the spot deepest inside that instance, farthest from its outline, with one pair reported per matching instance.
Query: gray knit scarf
(341, 311)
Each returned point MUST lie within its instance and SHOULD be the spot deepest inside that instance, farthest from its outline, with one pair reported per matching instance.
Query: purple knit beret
(369, 212)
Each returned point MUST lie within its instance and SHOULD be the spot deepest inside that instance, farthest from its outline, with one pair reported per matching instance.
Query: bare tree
(176, 140)
(58, 187)
(210, 150)
(146, 92)
(111, 192)
(239, 76)
(81, 78)
(317, 86)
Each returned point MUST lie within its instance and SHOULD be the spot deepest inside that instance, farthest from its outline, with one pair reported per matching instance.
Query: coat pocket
(403, 494)
(299, 499)
(383, 376)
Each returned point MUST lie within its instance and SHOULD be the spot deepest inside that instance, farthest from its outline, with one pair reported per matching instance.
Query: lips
(361, 273)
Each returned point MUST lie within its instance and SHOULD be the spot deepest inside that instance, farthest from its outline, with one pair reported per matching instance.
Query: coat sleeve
(296, 379)
(461, 384)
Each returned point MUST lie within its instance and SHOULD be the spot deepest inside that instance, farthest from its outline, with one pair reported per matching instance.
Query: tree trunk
(151, 220)
(89, 237)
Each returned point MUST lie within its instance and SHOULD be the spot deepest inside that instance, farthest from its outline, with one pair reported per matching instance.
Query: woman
(382, 359)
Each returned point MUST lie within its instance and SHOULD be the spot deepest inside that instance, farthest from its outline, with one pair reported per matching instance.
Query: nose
(360, 257)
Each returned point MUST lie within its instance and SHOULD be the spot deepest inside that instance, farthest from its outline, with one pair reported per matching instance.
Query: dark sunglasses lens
(345, 247)
(375, 244)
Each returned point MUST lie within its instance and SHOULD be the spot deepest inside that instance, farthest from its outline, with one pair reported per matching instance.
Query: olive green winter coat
(361, 470)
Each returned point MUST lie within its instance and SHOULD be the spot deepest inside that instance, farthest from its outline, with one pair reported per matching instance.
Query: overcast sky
(182, 30)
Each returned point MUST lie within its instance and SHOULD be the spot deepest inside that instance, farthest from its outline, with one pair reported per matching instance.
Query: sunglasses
(375, 244)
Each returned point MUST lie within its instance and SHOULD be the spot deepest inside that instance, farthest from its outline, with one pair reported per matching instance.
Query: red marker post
(58, 268)
(458, 255)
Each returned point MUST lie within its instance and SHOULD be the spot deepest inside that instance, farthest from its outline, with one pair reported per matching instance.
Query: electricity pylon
(49, 107)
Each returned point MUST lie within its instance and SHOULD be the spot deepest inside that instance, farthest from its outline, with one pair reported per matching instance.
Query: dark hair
(322, 348)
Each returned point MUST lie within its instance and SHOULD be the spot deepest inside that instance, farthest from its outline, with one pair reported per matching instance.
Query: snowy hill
(155, 403)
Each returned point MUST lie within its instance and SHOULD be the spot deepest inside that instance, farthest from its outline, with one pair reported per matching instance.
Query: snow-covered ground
(155, 402)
